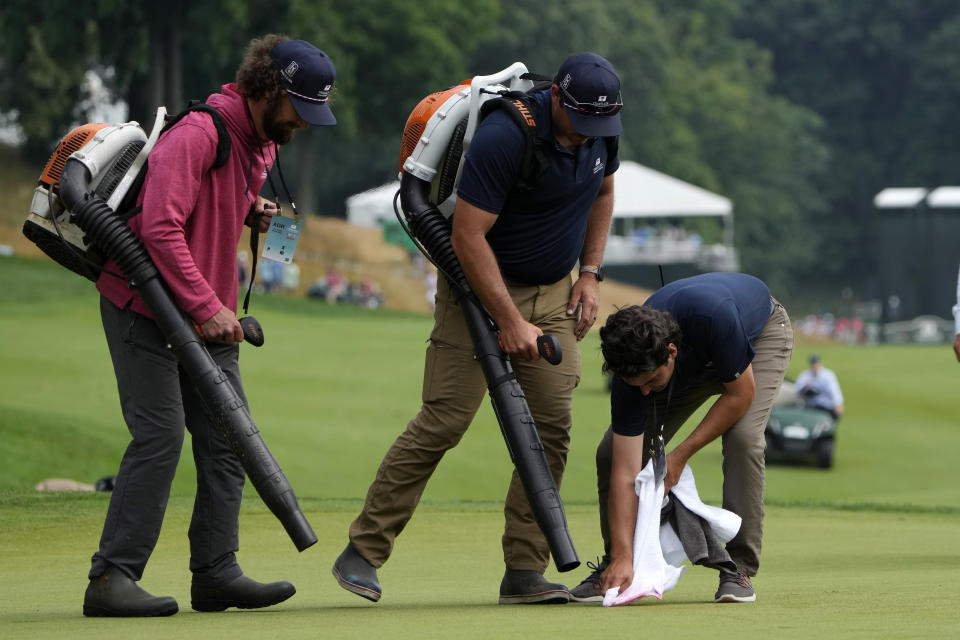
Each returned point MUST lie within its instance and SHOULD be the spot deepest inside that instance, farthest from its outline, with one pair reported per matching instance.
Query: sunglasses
(601, 109)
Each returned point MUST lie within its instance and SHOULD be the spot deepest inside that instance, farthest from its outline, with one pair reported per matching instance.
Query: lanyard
(255, 222)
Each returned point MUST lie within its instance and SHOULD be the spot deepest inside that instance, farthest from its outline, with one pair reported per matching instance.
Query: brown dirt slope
(359, 252)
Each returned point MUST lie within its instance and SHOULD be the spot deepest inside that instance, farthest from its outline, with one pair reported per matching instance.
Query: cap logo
(602, 99)
(290, 70)
(566, 81)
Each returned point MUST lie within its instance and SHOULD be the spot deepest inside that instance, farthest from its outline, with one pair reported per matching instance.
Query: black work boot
(356, 575)
(113, 594)
(240, 592)
(529, 587)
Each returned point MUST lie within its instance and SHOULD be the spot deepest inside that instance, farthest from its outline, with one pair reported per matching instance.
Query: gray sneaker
(529, 587)
(591, 589)
(735, 587)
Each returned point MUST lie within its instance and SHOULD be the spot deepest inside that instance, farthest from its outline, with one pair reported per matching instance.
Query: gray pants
(743, 444)
(158, 400)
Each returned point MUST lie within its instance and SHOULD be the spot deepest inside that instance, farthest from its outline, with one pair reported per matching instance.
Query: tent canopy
(909, 197)
(641, 192)
(372, 207)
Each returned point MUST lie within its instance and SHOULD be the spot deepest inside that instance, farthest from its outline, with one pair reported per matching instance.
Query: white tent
(372, 207)
(641, 192)
(909, 197)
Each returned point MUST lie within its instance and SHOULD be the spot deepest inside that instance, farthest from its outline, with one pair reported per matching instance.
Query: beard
(277, 131)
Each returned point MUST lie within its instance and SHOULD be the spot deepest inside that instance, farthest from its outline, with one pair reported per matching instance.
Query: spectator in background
(956, 319)
(243, 267)
(336, 286)
(430, 282)
(268, 277)
(819, 389)
(370, 295)
(291, 276)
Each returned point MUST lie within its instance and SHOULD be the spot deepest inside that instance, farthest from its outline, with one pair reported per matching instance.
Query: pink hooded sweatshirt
(193, 216)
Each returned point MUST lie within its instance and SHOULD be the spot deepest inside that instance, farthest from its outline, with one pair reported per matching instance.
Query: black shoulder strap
(613, 147)
(517, 106)
(223, 138)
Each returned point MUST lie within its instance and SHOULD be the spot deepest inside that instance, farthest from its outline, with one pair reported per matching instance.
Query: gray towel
(697, 537)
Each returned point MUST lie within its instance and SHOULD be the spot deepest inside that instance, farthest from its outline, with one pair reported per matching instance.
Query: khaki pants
(743, 444)
(453, 390)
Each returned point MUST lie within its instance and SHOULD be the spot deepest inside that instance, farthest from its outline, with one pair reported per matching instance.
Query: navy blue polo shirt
(720, 315)
(539, 233)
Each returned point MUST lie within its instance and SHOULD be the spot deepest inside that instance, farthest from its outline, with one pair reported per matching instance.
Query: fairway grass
(827, 573)
(867, 549)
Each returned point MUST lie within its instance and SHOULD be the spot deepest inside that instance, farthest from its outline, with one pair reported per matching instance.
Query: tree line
(797, 110)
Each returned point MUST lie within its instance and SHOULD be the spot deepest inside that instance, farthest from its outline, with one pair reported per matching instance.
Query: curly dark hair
(634, 340)
(258, 75)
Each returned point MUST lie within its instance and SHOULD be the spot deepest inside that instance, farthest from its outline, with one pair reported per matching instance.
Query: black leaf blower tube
(509, 404)
(232, 417)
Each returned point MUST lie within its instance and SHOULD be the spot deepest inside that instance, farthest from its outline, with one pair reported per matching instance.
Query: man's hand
(261, 213)
(619, 573)
(222, 327)
(585, 295)
(521, 340)
(675, 464)
(956, 347)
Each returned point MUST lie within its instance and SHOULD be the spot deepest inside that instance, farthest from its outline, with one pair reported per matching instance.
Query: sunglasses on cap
(601, 109)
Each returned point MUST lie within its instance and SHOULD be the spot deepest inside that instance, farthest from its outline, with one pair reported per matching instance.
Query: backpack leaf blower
(437, 133)
(74, 219)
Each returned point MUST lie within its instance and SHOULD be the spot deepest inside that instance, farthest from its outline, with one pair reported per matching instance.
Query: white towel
(658, 559)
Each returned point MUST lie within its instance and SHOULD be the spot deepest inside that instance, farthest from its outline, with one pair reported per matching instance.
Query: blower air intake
(115, 155)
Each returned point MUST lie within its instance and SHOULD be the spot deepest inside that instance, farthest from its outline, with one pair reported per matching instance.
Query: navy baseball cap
(590, 92)
(308, 76)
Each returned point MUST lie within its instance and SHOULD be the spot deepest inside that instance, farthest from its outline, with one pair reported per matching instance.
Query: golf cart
(799, 433)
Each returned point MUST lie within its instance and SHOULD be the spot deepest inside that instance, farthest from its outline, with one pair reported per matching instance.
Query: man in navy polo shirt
(716, 333)
(518, 246)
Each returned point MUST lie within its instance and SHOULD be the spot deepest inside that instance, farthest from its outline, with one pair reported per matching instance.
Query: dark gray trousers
(158, 400)
(743, 444)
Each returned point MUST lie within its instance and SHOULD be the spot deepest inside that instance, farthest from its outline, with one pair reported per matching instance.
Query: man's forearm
(727, 409)
(483, 273)
(622, 513)
(626, 463)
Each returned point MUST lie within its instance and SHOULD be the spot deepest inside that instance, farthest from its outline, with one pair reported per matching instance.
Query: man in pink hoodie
(192, 220)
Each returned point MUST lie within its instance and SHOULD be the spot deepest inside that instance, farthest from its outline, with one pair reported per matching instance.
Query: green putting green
(864, 550)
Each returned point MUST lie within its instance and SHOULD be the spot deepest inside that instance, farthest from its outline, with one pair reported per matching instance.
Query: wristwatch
(596, 270)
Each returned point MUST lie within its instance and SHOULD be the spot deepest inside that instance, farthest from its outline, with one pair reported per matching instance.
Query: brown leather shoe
(114, 594)
(241, 592)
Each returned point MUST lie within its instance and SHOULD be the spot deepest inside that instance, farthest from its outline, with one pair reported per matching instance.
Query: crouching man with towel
(715, 334)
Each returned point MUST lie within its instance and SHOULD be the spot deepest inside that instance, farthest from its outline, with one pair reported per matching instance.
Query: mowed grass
(867, 549)
(827, 574)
